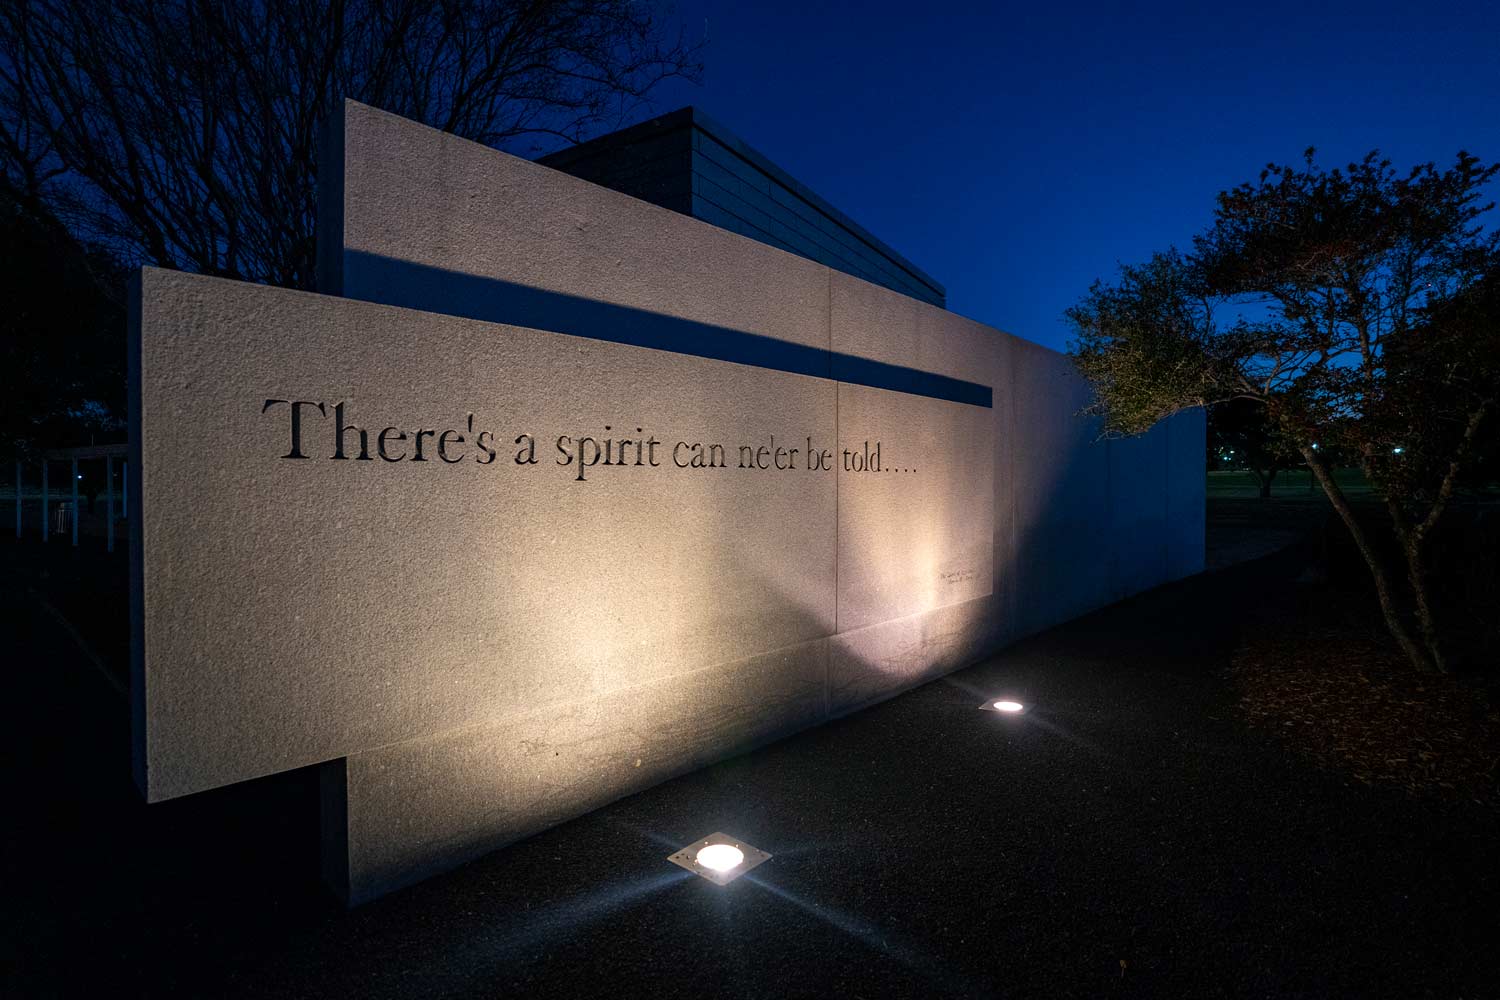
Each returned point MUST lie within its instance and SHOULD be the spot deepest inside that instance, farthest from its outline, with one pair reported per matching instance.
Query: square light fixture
(719, 858)
(1006, 706)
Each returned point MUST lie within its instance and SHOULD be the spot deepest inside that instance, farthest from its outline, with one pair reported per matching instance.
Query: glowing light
(1397, 451)
(721, 857)
(1315, 446)
(1005, 706)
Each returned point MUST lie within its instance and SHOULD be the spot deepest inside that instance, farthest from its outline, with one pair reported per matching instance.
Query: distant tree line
(1241, 436)
(183, 133)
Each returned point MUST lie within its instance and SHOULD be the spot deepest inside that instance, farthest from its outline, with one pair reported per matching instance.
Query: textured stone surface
(916, 526)
(873, 322)
(425, 805)
(869, 321)
(436, 202)
(870, 664)
(302, 610)
(1005, 574)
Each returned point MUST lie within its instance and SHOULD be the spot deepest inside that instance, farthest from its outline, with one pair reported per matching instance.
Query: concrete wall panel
(421, 806)
(873, 322)
(871, 664)
(298, 610)
(432, 221)
(1060, 475)
(1138, 512)
(916, 504)
(1186, 446)
(1005, 569)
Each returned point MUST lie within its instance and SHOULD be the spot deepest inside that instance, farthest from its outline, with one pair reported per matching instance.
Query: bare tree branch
(183, 133)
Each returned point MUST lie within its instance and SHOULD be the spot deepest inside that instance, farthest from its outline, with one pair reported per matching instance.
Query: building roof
(690, 163)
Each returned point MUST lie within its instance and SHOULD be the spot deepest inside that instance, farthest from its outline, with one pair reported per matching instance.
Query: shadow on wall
(1096, 520)
(376, 278)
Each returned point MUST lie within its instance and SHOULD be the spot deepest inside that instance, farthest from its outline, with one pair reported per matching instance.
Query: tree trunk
(1414, 548)
(1416, 572)
(1383, 590)
(1266, 481)
(1414, 536)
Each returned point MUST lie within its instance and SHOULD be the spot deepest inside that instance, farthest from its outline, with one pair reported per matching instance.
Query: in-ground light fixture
(719, 858)
(1006, 706)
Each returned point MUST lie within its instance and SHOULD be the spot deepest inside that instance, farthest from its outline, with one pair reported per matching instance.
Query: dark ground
(1131, 836)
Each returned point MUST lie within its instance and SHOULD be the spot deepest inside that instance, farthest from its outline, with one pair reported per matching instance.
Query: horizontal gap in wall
(395, 282)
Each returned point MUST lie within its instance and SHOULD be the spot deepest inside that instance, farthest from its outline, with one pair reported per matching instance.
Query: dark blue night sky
(1016, 154)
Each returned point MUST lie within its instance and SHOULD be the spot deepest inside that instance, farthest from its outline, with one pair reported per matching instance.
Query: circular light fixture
(1009, 706)
(720, 857)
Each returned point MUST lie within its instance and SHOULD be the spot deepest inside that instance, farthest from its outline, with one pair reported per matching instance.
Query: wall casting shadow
(375, 278)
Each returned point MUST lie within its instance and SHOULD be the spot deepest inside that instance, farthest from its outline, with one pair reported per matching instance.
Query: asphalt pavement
(1129, 836)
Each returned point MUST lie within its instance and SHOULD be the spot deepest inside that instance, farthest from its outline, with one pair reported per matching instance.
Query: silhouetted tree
(1361, 308)
(1241, 428)
(60, 334)
(184, 133)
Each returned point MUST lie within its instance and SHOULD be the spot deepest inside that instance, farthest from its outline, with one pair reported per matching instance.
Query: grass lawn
(1290, 484)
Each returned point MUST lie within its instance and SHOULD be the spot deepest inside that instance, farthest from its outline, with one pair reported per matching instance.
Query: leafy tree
(1358, 310)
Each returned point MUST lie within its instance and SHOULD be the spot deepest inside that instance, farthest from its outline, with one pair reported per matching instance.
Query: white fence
(64, 515)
